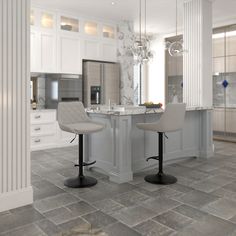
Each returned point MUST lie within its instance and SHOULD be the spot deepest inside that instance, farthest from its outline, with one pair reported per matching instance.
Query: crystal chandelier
(141, 45)
(175, 48)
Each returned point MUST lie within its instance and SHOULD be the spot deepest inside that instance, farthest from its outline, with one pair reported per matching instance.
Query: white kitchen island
(121, 148)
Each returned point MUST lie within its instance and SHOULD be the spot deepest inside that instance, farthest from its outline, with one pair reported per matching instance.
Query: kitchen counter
(134, 110)
(121, 148)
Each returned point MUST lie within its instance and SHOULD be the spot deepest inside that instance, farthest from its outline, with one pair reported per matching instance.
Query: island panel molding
(15, 186)
(197, 59)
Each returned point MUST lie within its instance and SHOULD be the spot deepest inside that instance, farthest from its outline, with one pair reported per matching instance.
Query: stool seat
(82, 127)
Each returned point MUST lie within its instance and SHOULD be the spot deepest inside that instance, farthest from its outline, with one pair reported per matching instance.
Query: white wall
(15, 186)
(156, 81)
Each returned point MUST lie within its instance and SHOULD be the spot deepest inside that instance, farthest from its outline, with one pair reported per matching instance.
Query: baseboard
(14, 199)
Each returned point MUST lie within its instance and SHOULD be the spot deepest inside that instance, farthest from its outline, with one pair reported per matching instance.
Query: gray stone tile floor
(202, 203)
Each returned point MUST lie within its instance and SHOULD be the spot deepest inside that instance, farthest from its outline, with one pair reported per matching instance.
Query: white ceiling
(160, 13)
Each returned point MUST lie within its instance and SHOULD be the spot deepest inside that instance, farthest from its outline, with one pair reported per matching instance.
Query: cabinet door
(108, 52)
(70, 58)
(91, 50)
(35, 52)
(112, 83)
(92, 77)
(48, 52)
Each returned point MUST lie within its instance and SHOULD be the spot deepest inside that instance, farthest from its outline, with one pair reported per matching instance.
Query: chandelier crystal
(140, 48)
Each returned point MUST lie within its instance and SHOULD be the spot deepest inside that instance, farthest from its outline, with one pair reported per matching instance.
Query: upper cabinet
(59, 42)
(43, 41)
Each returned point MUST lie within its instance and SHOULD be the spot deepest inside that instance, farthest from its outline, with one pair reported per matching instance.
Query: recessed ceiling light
(113, 3)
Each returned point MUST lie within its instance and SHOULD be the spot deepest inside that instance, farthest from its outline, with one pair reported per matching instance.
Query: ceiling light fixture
(141, 45)
(175, 48)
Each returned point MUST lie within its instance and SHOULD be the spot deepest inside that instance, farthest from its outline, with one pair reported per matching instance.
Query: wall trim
(14, 199)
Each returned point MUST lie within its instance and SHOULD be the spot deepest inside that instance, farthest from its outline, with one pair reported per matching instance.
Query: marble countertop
(134, 110)
(43, 110)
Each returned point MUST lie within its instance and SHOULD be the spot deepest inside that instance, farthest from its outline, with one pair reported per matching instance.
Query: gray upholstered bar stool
(172, 120)
(73, 118)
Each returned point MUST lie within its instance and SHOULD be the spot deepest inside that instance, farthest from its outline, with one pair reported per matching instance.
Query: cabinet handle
(37, 141)
(37, 117)
(37, 129)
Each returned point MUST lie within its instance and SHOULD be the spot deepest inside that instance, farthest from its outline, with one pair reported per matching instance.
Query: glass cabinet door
(108, 32)
(47, 20)
(91, 28)
(69, 24)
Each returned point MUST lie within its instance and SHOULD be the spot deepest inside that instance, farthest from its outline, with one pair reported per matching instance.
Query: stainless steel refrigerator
(101, 83)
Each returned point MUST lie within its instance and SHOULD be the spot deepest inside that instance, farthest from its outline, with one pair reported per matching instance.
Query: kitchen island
(121, 148)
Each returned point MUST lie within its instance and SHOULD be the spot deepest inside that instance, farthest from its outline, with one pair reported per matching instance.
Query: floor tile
(131, 198)
(132, 216)
(108, 206)
(206, 186)
(173, 220)
(161, 204)
(153, 228)
(99, 219)
(197, 198)
(209, 226)
(48, 227)
(27, 230)
(190, 212)
(60, 215)
(119, 229)
(77, 223)
(231, 187)
(51, 203)
(24, 216)
(223, 208)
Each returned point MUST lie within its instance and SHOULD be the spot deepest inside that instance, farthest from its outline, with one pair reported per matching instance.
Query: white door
(70, 58)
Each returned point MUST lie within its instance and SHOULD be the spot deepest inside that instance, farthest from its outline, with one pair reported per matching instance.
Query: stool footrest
(86, 164)
(153, 158)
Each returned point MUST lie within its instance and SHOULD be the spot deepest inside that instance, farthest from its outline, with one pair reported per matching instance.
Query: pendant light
(175, 48)
(141, 47)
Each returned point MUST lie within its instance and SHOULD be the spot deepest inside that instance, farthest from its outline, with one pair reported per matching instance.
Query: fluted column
(15, 186)
(197, 66)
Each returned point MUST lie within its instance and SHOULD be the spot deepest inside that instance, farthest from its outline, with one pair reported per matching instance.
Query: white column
(197, 68)
(15, 186)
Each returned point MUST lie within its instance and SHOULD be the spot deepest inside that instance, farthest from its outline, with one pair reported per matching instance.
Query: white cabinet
(43, 51)
(91, 50)
(45, 131)
(35, 52)
(108, 52)
(60, 42)
(70, 56)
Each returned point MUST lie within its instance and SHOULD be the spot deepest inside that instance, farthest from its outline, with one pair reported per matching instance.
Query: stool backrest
(71, 113)
(173, 117)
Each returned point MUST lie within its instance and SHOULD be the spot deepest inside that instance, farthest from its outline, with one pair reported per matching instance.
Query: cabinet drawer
(42, 140)
(42, 129)
(42, 117)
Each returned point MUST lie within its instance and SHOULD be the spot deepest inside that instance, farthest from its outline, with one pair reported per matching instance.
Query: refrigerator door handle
(102, 75)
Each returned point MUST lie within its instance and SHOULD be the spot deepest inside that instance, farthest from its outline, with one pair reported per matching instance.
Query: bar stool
(73, 118)
(171, 120)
